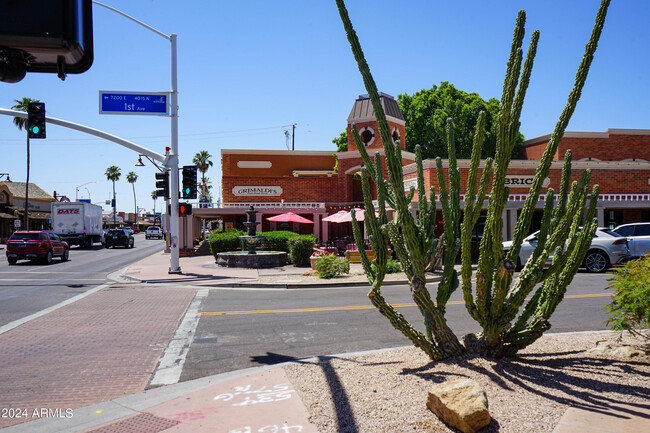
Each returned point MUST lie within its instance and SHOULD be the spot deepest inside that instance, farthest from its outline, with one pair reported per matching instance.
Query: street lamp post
(171, 162)
(76, 190)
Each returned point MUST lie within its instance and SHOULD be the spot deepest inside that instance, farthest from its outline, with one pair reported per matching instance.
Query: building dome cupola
(363, 117)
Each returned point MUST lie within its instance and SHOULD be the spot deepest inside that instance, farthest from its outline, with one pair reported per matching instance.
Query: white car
(607, 249)
(153, 232)
(638, 237)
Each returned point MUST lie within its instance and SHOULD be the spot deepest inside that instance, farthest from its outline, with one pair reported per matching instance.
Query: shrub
(630, 309)
(301, 249)
(392, 266)
(229, 241)
(279, 240)
(330, 266)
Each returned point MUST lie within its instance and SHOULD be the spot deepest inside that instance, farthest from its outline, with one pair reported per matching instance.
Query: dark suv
(36, 245)
(119, 238)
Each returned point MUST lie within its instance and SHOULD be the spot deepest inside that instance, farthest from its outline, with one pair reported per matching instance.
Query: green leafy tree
(341, 143)
(496, 302)
(113, 174)
(203, 163)
(21, 123)
(132, 177)
(426, 113)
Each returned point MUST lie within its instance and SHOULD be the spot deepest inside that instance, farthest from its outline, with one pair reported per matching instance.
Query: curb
(258, 285)
(309, 285)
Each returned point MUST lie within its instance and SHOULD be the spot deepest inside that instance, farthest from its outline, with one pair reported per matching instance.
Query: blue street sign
(148, 103)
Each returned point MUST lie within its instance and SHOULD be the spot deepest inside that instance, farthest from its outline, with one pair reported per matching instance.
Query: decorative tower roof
(362, 109)
(363, 117)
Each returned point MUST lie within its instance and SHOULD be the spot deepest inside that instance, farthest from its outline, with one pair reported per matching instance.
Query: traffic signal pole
(172, 163)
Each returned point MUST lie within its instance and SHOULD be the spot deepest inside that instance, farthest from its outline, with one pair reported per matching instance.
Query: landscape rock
(461, 404)
(613, 349)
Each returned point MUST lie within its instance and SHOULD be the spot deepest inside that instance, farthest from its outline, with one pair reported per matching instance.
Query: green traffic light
(35, 129)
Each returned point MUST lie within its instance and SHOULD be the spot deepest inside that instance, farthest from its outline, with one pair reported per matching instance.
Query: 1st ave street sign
(147, 103)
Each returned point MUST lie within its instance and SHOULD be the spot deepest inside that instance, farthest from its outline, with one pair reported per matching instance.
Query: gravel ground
(387, 391)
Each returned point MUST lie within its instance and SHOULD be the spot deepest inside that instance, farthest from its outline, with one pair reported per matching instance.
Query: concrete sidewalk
(204, 272)
(250, 400)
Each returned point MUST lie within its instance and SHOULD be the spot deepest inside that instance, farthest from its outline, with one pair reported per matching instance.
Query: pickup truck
(153, 232)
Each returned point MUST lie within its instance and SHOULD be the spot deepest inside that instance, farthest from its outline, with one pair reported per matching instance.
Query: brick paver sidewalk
(101, 347)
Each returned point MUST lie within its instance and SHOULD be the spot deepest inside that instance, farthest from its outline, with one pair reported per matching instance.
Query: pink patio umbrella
(290, 217)
(334, 218)
(345, 216)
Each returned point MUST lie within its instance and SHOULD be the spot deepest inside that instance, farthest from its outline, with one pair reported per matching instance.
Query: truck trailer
(77, 222)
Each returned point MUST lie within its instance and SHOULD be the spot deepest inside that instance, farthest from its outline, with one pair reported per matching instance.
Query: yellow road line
(355, 307)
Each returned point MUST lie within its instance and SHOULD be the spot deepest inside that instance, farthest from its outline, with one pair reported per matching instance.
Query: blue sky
(249, 69)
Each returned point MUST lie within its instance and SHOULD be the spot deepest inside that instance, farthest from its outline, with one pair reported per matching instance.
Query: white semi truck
(77, 222)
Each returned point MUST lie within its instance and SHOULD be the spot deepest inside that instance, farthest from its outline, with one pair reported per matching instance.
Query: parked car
(638, 237)
(607, 249)
(153, 232)
(119, 238)
(36, 245)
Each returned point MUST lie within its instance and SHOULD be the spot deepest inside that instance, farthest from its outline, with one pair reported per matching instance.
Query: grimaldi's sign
(257, 190)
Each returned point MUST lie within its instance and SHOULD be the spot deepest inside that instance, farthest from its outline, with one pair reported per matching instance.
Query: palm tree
(202, 162)
(113, 174)
(154, 196)
(207, 186)
(131, 177)
(20, 122)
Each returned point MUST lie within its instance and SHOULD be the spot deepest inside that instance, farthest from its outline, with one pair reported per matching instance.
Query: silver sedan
(607, 249)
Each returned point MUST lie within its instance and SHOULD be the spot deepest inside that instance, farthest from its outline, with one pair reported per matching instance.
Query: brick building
(305, 182)
(12, 207)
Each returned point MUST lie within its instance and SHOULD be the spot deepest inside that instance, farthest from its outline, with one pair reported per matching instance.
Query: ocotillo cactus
(496, 301)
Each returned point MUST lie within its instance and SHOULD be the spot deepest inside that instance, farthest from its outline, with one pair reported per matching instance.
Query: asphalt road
(27, 288)
(247, 328)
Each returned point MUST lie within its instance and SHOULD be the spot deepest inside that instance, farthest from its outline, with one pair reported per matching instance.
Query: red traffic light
(184, 209)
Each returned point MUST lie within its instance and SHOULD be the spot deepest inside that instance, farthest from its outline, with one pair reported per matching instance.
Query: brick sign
(257, 190)
(523, 181)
